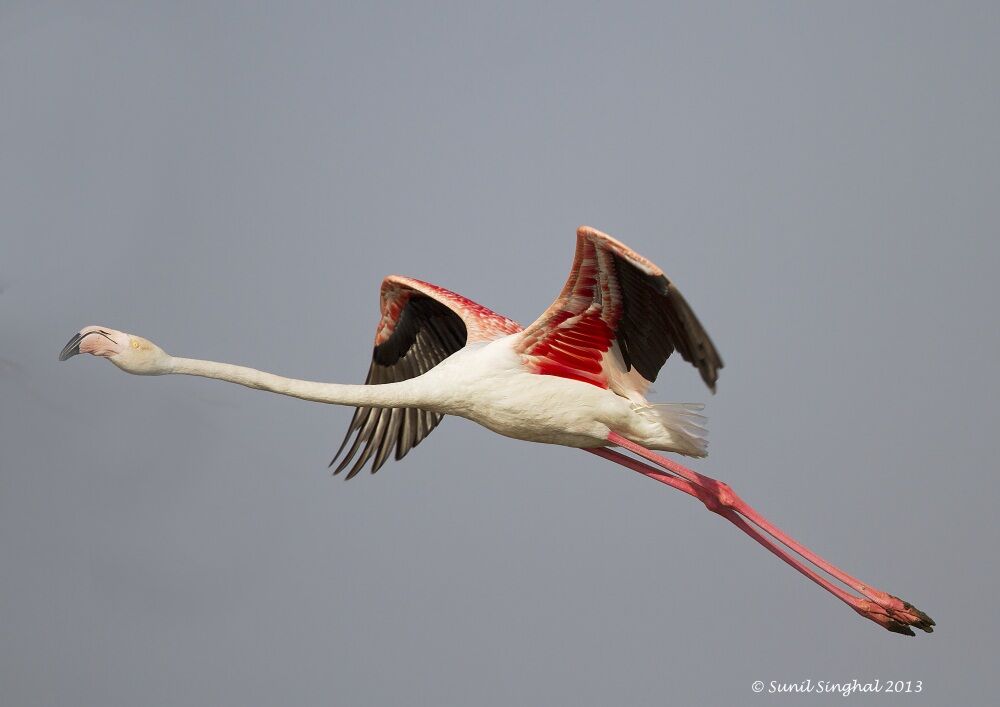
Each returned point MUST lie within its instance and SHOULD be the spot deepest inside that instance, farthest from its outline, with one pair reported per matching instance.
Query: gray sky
(233, 182)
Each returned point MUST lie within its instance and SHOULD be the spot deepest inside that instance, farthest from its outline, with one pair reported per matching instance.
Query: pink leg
(863, 607)
(885, 609)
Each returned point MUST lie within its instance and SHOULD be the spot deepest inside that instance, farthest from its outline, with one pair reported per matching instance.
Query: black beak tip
(71, 349)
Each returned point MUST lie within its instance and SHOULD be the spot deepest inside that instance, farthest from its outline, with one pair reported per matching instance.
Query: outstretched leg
(885, 609)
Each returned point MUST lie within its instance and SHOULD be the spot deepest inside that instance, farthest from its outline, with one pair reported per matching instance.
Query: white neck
(388, 395)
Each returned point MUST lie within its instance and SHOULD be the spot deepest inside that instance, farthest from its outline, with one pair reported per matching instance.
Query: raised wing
(421, 325)
(617, 311)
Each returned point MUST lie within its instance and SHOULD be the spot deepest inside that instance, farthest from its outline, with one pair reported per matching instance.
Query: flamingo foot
(897, 620)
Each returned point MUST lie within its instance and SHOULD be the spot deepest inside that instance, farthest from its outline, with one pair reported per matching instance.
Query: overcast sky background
(233, 181)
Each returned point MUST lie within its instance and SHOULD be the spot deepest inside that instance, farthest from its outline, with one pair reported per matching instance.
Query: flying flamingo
(577, 376)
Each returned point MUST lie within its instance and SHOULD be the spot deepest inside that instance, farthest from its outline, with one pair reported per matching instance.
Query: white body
(488, 384)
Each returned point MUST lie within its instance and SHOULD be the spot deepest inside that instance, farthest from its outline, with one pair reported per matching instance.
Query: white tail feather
(685, 425)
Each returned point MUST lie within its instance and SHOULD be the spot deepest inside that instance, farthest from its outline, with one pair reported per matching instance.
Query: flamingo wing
(617, 312)
(421, 325)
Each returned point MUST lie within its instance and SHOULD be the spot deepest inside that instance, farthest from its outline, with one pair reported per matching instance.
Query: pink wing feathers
(421, 325)
(481, 323)
(617, 312)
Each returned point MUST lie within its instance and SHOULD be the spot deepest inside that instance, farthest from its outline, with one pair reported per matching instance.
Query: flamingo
(577, 377)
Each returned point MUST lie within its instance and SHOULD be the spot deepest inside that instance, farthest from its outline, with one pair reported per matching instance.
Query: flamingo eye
(135, 344)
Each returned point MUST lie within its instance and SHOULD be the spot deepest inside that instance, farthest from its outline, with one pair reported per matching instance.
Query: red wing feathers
(614, 295)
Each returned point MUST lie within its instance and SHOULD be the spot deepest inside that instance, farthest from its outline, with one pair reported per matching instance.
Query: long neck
(389, 395)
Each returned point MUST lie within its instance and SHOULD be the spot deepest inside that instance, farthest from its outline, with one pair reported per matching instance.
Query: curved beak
(72, 348)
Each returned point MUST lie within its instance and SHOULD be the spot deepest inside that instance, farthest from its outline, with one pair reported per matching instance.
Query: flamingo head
(129, 352)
